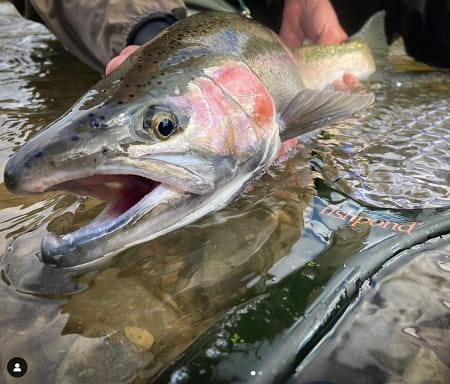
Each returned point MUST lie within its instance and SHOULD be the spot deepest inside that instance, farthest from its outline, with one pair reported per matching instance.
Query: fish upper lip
(179, 176)
(58, 179)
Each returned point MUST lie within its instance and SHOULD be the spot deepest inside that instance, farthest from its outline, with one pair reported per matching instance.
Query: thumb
(334, 35)
(118, 60)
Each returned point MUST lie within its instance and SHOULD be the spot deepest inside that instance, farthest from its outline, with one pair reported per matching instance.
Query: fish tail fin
(373, 32)
(311, 109)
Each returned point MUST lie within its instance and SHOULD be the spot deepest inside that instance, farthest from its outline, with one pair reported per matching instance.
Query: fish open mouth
(120, 191)
(155, 187)
(126, 196)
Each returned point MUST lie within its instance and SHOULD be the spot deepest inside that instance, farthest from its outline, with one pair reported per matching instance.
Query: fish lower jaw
(78, 250)
(129, 196)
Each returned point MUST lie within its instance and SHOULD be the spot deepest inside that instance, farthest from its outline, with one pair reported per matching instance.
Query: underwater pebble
(139, 336)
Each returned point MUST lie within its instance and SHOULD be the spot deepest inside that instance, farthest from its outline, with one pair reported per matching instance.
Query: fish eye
(161, 122)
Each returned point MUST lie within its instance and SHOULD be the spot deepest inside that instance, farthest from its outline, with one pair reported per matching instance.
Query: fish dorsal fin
(373, 33)
(311, 109)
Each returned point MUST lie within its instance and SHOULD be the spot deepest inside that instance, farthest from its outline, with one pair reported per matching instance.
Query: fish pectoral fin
(311, 109)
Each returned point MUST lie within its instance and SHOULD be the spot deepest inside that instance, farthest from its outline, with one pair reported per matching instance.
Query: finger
(114, 63)
(321, 23)
(118, 60)
(290, 38)
(336, 35)
(129, 49)
(340, 85)
(291, 30)
(350, 79)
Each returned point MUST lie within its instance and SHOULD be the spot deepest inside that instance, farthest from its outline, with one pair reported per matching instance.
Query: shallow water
(397, 155)
(405, 307)
(127, 320)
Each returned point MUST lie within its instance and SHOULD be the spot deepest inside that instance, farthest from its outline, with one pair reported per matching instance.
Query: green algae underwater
(247, 293)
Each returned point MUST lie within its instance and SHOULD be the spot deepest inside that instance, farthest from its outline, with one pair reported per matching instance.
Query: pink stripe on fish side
(230, 113)
(248, 90)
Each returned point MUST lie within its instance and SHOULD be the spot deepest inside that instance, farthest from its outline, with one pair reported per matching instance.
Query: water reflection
(149, 303)
(406, 309)
(39, 80)
(396, 155)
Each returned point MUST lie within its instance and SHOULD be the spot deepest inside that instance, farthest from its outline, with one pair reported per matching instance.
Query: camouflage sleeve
(97, 30)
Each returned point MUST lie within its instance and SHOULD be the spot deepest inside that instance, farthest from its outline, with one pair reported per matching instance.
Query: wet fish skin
(165, 68)
(321, 66)
(222, 81)
(361, 56)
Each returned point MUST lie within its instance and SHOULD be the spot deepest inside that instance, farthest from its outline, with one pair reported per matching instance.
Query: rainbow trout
(176, 132)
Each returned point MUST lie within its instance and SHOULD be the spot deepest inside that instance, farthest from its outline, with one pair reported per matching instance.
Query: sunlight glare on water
(397, 155)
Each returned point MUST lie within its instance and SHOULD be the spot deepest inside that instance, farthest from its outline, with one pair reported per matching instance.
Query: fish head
(162, 146)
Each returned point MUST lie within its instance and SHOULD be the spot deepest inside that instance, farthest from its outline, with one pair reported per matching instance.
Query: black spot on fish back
(174, 58)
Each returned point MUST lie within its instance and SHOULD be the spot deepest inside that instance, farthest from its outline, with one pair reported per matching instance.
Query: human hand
(317, 21)
(312, 19)
(116, 61)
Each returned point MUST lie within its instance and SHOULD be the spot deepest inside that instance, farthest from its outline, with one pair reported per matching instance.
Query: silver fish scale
(397, 154)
